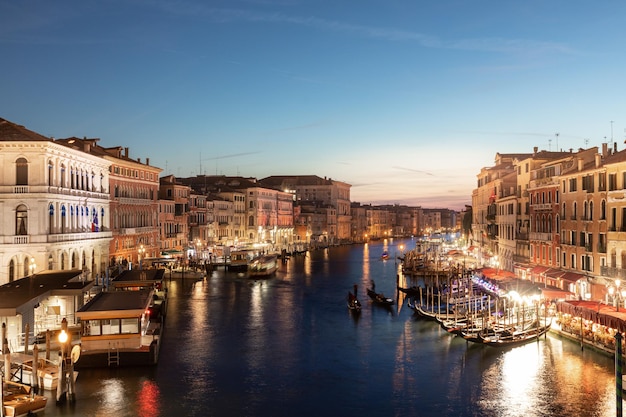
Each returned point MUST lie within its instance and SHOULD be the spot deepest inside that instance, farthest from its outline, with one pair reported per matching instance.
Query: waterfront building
(613, 207)
(507, 215)
(583, 221)
(490, 184)
(173, 223)
(270, 216)
(315, 191)
(616, 216)
(134, 189)
(246, 212)
(379, 225)
(134, 207)
(55, 205)
(320, 220)
(359, 227)
(526, 178)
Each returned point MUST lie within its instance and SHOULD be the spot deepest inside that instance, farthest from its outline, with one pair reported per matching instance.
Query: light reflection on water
(288, 346)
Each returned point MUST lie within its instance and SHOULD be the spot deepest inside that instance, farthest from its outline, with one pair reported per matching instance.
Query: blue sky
(404, 99)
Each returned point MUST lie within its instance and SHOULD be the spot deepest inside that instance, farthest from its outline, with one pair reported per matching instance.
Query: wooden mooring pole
(618, 375)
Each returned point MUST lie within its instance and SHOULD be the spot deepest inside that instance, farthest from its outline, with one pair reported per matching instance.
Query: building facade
(54, 205)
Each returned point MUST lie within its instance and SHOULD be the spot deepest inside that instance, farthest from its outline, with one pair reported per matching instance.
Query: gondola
(379, 298)
(514, 338)
(410, 291)
(354, 305)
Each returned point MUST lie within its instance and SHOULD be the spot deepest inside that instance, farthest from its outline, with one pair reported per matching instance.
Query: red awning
(595, 311)
(539, 269)
(556, 294)
(572, 277)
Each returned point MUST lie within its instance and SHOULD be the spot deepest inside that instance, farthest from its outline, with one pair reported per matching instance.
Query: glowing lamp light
(63, 337)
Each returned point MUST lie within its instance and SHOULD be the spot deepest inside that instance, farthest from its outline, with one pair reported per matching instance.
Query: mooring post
(618, 374)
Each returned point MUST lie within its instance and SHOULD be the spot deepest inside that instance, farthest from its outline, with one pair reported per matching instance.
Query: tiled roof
(279, 180)
(10, 132)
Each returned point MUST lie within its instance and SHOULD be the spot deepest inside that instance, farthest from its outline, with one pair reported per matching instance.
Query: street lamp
(65, 387)
(141, 252)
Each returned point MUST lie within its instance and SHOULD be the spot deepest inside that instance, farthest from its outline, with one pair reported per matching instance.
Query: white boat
(263, 266)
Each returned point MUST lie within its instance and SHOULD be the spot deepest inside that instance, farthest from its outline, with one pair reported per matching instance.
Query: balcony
(45, 189)
(542, 207)
(68, 237)
(610, 272)
(137, 230)
(543, 237)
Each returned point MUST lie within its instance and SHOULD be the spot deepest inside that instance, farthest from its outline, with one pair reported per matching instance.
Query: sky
(406, 100)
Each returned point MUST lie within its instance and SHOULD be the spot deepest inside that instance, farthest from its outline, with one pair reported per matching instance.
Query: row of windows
(131, 173)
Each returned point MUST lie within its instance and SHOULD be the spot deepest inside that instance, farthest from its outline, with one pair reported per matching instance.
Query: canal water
(288, 346)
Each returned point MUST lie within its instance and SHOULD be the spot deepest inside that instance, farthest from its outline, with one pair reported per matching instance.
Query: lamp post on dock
(65, 386)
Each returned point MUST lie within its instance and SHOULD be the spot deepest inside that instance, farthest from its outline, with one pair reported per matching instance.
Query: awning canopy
(595, 311)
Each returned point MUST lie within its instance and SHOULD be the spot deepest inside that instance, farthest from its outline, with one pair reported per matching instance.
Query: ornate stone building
(54, 205)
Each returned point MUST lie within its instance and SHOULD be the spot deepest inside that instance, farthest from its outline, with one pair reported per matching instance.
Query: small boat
(512, 337)
(20, 401)
(385, 256)
(263, 266)
(410, 291)
(239, 260)
(379, 298)
(46, 369)
(353, 302)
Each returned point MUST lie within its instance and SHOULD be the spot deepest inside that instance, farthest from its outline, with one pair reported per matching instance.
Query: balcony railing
(542, 206)
(545, 237)
(607, 271)
(66, 237)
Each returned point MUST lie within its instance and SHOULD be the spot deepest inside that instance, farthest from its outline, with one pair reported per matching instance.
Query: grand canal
(288, 346)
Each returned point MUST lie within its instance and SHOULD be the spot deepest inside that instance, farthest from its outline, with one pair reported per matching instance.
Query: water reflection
(288, 346)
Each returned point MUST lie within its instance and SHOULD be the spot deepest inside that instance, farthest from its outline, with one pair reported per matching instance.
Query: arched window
(50, 263)
(11, 271)
(63, 219)
(603, 210)
(21, 220)
(591, 210)
(62, 182)
(21, 171)
(63, 261)
(26, 263)
(74, 261)
(51, 217)
(50, 173)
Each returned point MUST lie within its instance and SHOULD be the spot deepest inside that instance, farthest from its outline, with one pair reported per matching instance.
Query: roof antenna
(557, 141)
